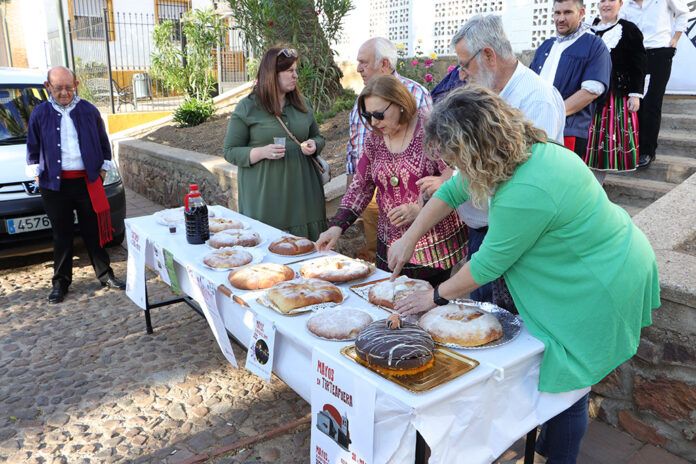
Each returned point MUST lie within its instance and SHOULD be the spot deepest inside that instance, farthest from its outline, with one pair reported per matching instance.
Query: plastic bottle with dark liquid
(196, 217)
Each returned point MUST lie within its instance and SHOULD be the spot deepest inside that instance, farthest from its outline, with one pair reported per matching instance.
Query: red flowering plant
(419, 67)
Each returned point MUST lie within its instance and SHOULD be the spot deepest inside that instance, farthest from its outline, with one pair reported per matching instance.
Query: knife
(224, 289)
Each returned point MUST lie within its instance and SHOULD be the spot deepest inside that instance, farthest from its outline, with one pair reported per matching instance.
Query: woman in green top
(582, 275)
(278, 184)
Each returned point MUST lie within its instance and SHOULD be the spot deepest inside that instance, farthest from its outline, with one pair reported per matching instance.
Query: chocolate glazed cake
(400, 351)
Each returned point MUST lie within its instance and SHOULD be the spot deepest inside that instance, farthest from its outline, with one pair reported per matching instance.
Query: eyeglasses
(288, 53)
(464, 67)
(62, 89)
(378, 115)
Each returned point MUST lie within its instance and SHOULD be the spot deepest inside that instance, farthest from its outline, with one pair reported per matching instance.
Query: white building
(431, 24)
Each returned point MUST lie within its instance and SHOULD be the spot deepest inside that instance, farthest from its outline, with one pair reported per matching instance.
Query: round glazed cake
(227, 258)
(234, 237)
(387, 292)
(335, 269)
(258, 276)
(403, 351)
(338, 324)
(219, 224)
(291, 246)
(461, 325)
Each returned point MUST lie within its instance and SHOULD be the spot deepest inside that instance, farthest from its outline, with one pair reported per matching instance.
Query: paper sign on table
(204, 292)
(343, 414)
(171, 271)
(161, 263)
(135, 274)
(261, 348)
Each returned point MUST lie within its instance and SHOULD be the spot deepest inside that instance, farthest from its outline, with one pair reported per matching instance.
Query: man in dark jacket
(68, 152)
(578, 64)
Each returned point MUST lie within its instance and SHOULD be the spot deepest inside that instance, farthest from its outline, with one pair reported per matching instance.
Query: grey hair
(384, 49)
(485, 31)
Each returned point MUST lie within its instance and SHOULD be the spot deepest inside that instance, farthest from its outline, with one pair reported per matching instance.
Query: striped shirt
(358, 129)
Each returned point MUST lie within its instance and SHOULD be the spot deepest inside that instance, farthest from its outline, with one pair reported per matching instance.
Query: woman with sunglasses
(278, 184)
(393, 162)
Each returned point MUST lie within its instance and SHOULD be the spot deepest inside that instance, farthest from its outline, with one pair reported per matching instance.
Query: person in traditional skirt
(278, 184)
(392, 163)
(613, 136)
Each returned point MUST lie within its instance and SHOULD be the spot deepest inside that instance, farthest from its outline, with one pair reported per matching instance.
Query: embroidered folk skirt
(612, 141)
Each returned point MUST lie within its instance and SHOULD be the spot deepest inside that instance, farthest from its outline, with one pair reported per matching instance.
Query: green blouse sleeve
(236, 147)
(454, 191)
(519, 215)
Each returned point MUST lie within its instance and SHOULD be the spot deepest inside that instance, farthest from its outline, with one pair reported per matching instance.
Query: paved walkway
(82, 383)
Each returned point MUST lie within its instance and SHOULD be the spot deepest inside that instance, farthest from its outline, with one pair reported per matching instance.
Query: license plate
(29, 224)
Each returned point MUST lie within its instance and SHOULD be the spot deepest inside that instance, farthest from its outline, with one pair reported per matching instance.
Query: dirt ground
(208, 138)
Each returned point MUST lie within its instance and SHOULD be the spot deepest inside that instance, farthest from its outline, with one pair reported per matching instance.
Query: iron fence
(111, 54)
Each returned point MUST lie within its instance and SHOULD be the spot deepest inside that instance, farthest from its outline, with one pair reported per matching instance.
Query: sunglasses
(378, 115)
(288, 53)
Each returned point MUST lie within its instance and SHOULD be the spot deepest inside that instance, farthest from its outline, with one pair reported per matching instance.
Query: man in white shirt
(486, 59)
(662, 23)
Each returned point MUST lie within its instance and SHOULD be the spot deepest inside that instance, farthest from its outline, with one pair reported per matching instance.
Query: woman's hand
(271, 151)
(327, 240)
(309, 147)
(403, 215)
(429, 185)
(417, 302)
(400, 253)
(633, 104)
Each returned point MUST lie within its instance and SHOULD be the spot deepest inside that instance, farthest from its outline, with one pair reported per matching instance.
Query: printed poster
(261, 348)
(135, 275)
(161, 263)
(343, 414)
(204, 292)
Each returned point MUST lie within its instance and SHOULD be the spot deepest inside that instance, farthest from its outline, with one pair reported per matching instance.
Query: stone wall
(163, 173)
(653, 396)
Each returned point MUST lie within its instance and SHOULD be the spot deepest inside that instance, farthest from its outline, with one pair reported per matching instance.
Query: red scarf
(100, 204)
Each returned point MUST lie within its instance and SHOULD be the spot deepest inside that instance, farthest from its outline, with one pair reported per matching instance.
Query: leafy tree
(190, 71)
(310, 26)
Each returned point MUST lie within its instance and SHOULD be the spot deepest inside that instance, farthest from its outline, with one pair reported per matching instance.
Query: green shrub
(193, 112)
(344, 102)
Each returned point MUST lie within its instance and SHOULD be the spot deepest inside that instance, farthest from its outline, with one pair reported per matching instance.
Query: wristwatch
(437, 299)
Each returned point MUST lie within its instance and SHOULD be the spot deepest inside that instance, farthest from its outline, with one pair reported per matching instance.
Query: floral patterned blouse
(438, 250)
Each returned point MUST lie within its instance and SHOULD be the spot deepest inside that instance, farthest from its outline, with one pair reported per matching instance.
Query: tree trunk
(317, 66)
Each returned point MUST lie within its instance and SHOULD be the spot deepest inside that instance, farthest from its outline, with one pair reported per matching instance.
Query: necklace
(394, 179)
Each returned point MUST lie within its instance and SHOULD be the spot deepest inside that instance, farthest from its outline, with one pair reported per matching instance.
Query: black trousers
(650, 112)
(59, 206)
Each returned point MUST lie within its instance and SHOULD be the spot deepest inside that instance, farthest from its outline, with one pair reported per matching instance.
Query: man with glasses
(486, 59)
(377, 56)
(578, 64)
(68, 152)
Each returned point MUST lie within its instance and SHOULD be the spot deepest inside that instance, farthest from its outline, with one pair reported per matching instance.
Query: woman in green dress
(582, 275)
(278, 184)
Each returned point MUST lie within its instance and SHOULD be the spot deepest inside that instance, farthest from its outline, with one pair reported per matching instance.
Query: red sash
(569, 142)
(100, 204)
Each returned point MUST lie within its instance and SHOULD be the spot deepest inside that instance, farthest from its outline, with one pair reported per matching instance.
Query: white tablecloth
(472, 419)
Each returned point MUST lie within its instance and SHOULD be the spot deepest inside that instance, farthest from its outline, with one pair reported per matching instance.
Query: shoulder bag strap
(316, 163)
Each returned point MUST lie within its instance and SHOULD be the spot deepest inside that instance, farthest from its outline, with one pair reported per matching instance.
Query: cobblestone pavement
(82, 382)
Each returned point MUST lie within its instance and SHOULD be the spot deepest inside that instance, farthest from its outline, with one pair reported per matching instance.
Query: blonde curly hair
(476, 131)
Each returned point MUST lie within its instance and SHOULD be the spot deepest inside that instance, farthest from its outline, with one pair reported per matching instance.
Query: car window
(16, 104)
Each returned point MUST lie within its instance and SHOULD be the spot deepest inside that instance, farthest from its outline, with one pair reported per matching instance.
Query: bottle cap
(193, 186)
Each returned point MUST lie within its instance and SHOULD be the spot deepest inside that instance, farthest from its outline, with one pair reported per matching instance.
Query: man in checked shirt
(376, 57)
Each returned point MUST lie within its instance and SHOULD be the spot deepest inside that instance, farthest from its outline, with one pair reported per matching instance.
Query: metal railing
(111, 56)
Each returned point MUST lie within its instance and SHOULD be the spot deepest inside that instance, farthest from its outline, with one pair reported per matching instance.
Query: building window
(172, 10)
(88, 19)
